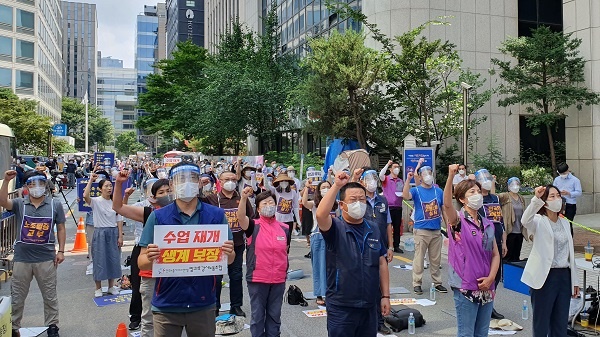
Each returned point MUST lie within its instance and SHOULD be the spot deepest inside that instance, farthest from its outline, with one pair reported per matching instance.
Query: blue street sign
(59, 130)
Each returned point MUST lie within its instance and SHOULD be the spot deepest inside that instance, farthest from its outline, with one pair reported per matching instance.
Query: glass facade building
(185, 21)
(146, 45)
(117, 94)
(79, 49)
(30, 52)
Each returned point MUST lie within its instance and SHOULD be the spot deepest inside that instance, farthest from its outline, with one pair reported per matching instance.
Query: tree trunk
(552, 151)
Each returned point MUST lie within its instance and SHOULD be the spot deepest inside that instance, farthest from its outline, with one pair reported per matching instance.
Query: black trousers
(396, 215)
(135, 307)
(570, 211)
(514, 243)
(550, 304)
(234, 270)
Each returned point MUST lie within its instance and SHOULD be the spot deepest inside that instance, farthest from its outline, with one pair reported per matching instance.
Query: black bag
(398, 319)
(295, 296)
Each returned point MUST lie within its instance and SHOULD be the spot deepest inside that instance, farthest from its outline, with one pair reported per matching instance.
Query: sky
(116, 27)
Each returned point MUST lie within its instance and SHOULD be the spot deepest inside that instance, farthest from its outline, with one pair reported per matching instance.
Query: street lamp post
(465, 89)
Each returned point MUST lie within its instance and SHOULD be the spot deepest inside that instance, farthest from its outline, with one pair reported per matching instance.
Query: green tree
(424, 80)
(127, 143)
(30, 129)
(546, 79)
(62, 146)
(342, 90)
(100, 128)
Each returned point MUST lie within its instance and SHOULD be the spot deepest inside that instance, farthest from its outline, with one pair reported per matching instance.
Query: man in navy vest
(356, 264)
(183, 301)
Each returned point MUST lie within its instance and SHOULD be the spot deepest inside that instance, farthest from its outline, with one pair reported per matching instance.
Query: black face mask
(164, 200)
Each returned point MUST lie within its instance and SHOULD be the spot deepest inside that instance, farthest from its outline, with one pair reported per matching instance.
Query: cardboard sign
(5, 319)
(95, 192)
(190, 250)
(314, 177)
(411, 160)
(104, 158)
(315, 313)
(113, 299)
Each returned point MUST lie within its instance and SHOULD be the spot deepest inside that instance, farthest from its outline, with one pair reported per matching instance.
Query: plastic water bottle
(432, 292)
(525, 313)
(411, 324)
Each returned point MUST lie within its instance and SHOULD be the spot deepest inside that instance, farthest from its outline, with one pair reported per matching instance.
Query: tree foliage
(30, 128)
(127, 143)
(100, 128)
(343, 90)
(62, 146)
(544, 75)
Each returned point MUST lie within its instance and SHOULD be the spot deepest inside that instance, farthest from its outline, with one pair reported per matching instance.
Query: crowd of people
(353, 225)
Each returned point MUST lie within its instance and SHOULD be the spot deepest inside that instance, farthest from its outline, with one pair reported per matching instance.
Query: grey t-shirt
(31, 253)
(518, 209)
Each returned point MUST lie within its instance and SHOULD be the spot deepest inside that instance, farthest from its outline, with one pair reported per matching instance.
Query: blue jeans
(473, 319)
(317, 249)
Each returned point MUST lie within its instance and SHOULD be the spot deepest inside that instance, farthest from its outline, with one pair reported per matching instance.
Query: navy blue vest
(186, 292)
(352, 273)
(377, 215)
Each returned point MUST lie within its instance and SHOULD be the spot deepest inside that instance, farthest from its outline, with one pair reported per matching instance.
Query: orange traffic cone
(80, 240)
(121, 330)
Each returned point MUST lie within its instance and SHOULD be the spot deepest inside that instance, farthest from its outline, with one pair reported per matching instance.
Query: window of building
(6, 46)
(6, 16)
(25, 49)
(5, 77)
(190, 3)
(25, 19)
(535, 13)
(24, 79)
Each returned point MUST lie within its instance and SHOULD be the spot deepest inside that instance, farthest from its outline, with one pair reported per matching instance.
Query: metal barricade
(8, 234)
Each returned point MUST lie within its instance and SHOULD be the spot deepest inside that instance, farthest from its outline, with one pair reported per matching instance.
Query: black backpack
(398, 319)
(295, 296)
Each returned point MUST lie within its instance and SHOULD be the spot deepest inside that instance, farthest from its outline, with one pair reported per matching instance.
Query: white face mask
(268, 211)
(396, 171)
(428, 179)
(461, 172)
(284, 184)
(229, 186)
(207, 188)
(247, 175)
(514, 188)
(37, 192)
(357, 209)
(475, 201)
(324, 191)
(274, 165)
(186, 191)
(554, 205)
(487, 185)
(564, 175)
(371, 186)
(291, 175)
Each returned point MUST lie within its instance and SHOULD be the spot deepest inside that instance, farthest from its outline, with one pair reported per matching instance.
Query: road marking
(403, 259)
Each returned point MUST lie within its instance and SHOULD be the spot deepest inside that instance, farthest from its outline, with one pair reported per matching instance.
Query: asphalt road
(79, 316)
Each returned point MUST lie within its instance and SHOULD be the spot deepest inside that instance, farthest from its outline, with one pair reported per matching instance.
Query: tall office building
(117, 94)
(79, 49)
(219, 17)
(161, 12)
(30, 52)
(185, 21)
(146, 47)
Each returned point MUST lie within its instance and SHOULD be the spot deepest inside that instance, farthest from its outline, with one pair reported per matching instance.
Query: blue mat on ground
(112, 299)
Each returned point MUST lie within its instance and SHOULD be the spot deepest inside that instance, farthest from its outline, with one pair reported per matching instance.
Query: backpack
(295, 296)
(398, 319)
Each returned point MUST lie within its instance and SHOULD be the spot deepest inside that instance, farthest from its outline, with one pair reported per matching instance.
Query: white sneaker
(426, 265)
(90, 266)
(295, 232)
(98, 293)
(114, 291)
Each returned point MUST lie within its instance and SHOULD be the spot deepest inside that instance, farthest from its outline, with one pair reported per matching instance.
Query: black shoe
(53, 331)
(384, 329)
(237, 311)
(496, 315)
(398, 250)
(308, 256)
(134, 325)
(16, 333)
(217, 313)
(418, 290)
(441, 289)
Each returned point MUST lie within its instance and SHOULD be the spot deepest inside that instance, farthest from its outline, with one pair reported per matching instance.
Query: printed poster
(170, 162)
(411, 160)
(95, 192)
(314, 177)
(190, 250)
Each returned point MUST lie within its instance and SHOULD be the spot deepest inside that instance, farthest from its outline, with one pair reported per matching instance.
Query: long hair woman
(550, 270)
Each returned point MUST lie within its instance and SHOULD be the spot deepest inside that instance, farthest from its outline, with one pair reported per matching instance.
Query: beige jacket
(542, 253)
(508, 213)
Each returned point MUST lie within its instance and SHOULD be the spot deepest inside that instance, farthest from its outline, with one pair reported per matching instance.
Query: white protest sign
(190, 250)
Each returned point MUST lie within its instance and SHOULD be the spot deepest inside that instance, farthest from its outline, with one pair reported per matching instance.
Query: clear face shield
(514, 184)
(371, 180)
(426, 174)
(161, 173)
(148, 187)
(185, 181)
(36, 186)
(485, 179)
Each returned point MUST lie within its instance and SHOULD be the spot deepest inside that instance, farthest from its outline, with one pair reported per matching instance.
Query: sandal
(320, 301)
